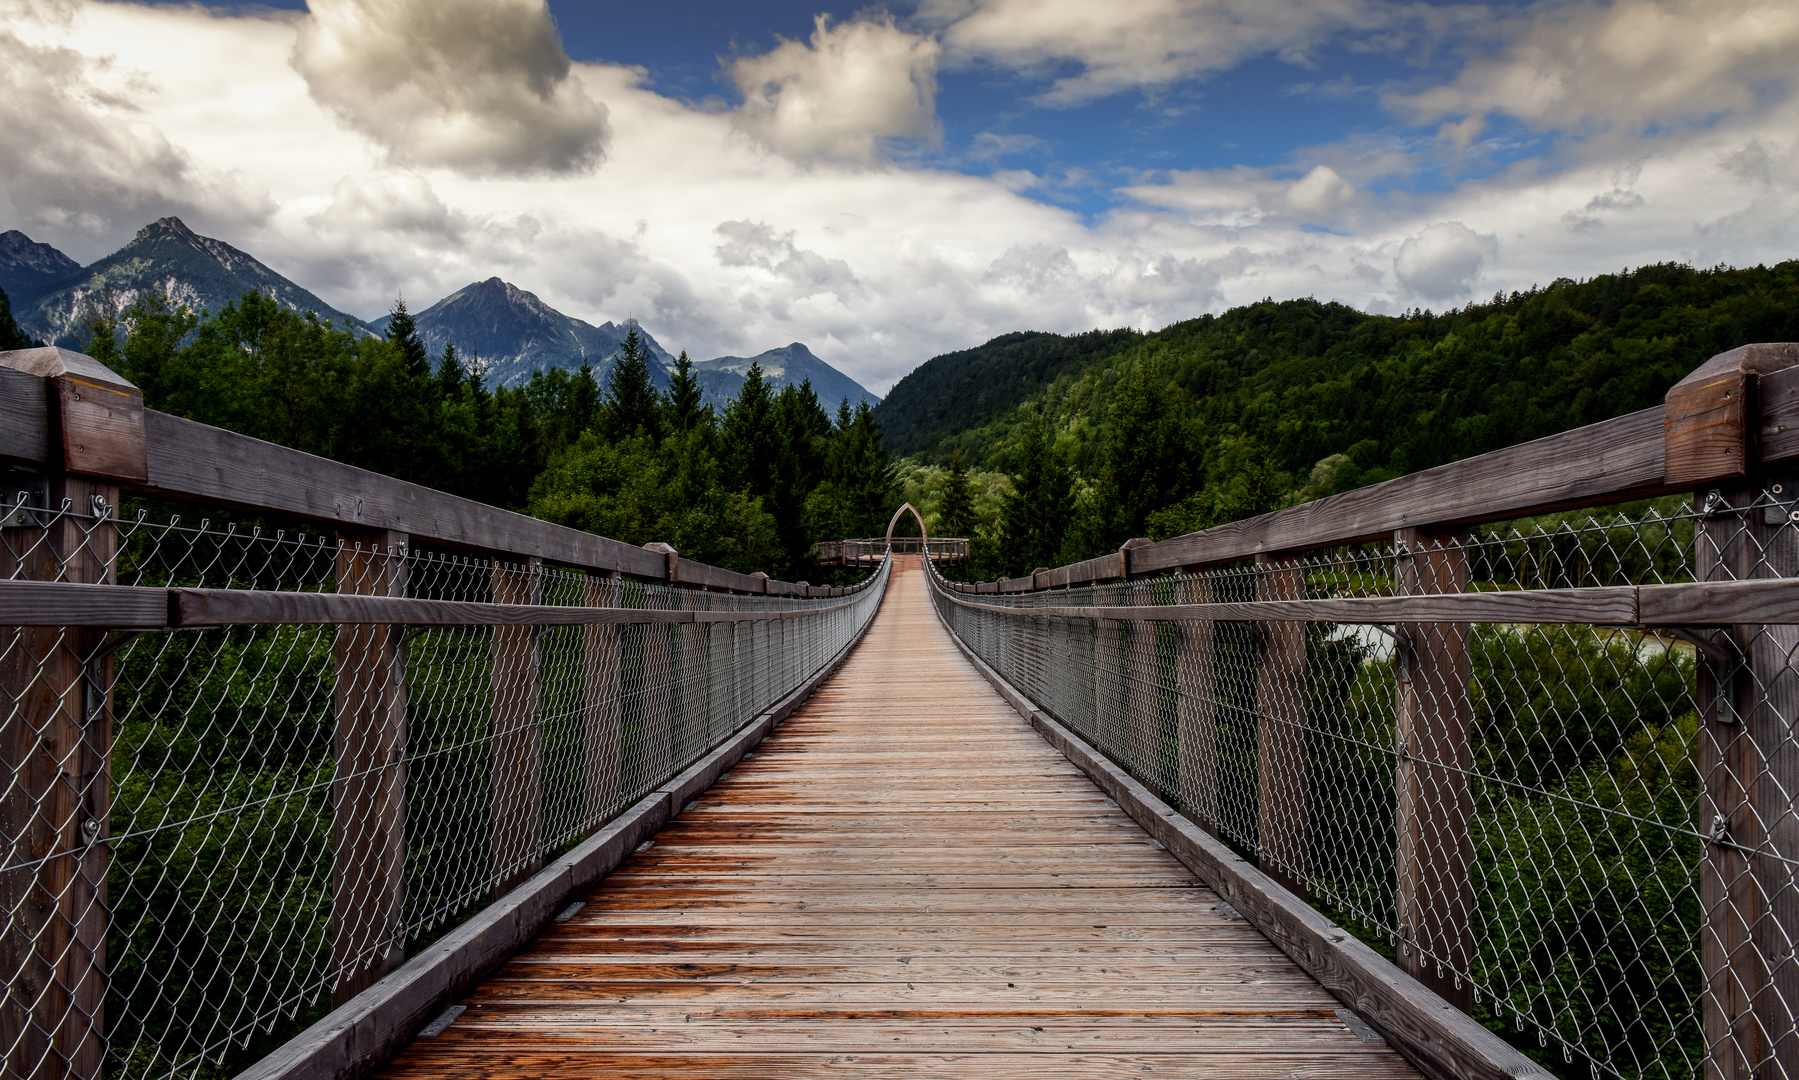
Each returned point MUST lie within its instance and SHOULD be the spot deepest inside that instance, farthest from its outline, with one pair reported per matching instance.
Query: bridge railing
(871, 550)
(1542, 757)
(273, 725)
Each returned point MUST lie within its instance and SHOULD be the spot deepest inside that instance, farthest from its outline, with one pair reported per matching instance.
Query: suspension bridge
(1487, 771)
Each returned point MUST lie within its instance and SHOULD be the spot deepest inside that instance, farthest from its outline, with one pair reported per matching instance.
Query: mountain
(721, 378)
(514, 333)
(172, 260)
(29, 269)
(961, 390)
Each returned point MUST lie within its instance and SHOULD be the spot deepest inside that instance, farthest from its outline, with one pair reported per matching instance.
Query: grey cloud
(482, 86)
(1442, 262)
(755, 243)
(82, 167)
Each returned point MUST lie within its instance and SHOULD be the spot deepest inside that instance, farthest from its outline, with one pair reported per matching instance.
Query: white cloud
(720, 246)
(855, 83)
(1629, 63)
(1122, 44)
(477, 85)
(1443, 261)
(756, 244)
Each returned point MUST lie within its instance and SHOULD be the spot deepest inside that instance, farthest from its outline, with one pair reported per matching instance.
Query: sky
(890, 183)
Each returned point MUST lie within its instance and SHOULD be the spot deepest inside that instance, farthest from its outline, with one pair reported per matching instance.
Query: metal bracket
(27, 500)
(1715, 505)
(1782, 506)
(1695, 636)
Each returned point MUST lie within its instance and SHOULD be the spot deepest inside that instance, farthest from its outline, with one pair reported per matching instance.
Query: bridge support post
(1282, 805)
(368, 836)
(56, 726)
(602, 742)
(1749, 710)
(1433, 711)
(1196, 705)
(517, 731)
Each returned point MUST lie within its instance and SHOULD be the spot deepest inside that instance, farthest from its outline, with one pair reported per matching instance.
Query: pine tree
(955, 510)
(749, 437)
(632, 402)
(404, 333)
(11, 337)
(449, 371)
(1143, 464)
(684, 409)
(1036, 513)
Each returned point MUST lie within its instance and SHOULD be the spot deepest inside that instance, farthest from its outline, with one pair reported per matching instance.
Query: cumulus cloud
(1122, 44)
(481, 86)
(1317, 195)
(755, 243)
(853, 84)
(1631, 63)
(1442, 262)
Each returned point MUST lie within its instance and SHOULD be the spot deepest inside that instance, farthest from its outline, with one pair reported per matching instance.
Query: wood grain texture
(24, 421)
(902, 881)
(1444, 1043)
(65, 603)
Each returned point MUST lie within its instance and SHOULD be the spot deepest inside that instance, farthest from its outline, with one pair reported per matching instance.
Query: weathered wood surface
(903, 880)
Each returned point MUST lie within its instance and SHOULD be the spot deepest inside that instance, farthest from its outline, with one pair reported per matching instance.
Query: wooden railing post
(1282, 804)
(602, 743)
(1433, 711)
(1196, 705)
(517, 731)
(56, 728)
(368, 834)
(1749, 708)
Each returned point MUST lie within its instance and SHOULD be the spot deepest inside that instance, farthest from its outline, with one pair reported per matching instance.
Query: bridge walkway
(904, 880)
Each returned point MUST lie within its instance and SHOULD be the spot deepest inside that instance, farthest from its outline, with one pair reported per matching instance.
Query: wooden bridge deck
(905, 880)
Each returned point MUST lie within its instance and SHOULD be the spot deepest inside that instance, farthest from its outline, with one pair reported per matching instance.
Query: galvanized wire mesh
(1588, 830)
(286, 811)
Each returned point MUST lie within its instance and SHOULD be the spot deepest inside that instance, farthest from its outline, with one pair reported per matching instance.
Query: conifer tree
(404, 333)
(1036, 513)
(684, 396)
(632, 401)
(749, 436)
(955, 510)
(11, 337)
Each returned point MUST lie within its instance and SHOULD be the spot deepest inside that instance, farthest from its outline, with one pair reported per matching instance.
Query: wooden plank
(1722, 603)
(1778, 407)
(1433, 714)
(66, 603)
(368, 790)
(1196, 731)
(517, 732)
(1610, 461)
(1282, 790)
(235, 607)
(1612, 605)
(1437, 1038)
(354, 1041)
(24, 418)
(753, 928)
(55, 809)
(194, 461)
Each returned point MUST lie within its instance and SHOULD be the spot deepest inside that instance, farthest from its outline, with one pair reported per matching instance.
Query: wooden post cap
(97, 414)
(1712, 416)
(673, 572)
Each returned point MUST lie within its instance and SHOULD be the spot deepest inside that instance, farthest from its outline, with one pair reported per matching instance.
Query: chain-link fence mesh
(1584, 833)
(286, 811)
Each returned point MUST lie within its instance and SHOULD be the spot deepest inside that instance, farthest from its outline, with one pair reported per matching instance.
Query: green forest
(603, 451)
(1042, 448)
(1226, 416)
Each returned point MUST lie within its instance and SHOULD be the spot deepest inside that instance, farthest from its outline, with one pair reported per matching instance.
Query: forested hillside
(750, 488)
(1225, 416)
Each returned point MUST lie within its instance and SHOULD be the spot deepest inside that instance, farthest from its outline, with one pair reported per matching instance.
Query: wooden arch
(923, 533)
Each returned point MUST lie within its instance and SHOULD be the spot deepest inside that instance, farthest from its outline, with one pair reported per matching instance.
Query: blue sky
(888, 183)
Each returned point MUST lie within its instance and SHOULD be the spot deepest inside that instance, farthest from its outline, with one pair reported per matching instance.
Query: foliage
(11, 337)
(1226, 416)
(750, 491)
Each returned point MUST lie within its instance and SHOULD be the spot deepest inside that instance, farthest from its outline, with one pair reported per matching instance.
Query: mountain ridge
(167, 259)
(721, 377)
(29, 269)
